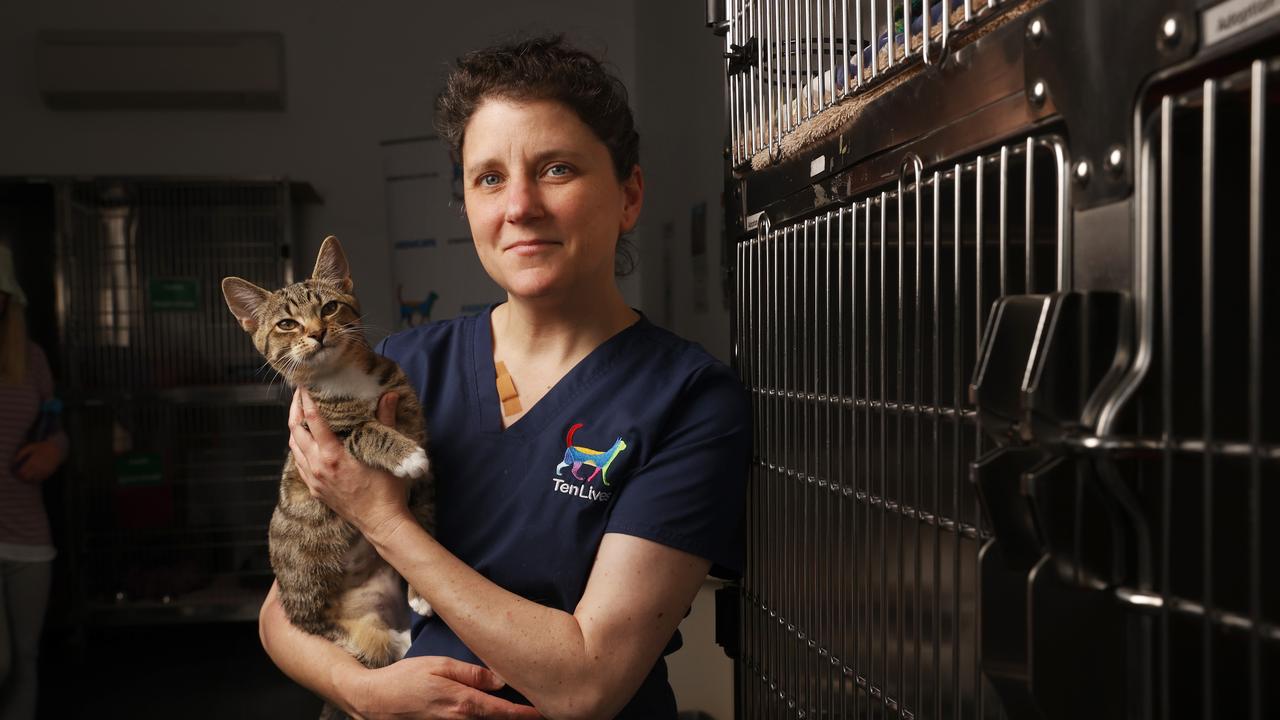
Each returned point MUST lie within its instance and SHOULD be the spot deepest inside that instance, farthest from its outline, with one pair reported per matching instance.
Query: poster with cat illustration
(435, 272)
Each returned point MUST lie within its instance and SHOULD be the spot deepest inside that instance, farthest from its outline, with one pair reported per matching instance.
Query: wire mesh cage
(859, 329)
(1195, 434)
(1014, 427)
(790, 60)
(178, 434)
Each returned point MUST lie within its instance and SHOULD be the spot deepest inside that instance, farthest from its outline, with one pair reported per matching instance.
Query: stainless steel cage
(792, 59)
(857, 332)
(177, 431)
(1001, 302)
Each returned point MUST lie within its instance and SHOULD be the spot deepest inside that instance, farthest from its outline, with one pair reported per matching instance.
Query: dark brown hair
(543, 68)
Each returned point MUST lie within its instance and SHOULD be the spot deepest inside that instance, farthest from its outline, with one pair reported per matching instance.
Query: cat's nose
(317, 335)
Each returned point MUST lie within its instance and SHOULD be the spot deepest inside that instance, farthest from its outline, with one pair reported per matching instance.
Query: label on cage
(1234, 17)
(174, 294)
(818, 165)
(753, 221)
(139, 469)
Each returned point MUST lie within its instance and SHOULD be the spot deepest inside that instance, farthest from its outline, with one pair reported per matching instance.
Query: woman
(591, 467)
(26, 547)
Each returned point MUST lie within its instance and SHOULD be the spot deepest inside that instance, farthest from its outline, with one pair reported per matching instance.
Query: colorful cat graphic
(577, 456)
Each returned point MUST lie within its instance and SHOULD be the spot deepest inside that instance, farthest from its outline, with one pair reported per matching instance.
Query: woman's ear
(331, 265)
(632, 199)
(244, 298)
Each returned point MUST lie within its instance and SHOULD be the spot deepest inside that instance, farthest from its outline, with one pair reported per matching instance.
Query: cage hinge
(729, 619)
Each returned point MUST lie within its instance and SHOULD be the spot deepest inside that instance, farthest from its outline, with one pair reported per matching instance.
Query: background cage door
(858, 331)
(1016, 436)
(178, 432)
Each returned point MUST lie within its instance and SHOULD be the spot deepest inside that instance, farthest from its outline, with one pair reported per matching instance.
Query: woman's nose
(524, 200)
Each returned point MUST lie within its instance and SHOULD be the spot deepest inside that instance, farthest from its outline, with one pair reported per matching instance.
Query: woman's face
(542, 198)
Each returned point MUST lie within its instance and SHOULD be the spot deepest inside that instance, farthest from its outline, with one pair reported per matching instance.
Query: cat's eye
(287, 324)
(329, 308)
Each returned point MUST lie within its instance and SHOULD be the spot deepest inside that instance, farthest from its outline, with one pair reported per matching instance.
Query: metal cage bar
(1199, 407)
(164, 386)
(806, 62)
(861, 597)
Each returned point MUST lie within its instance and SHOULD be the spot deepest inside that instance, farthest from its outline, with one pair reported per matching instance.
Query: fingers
(23, 453)
(303, 463)
(316, 424)
(488, 707)
(295, 410)
(466, 673)
(302, 437)
(387, 408)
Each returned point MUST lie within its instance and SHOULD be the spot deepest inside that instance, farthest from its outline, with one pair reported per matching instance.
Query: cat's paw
(420, 605)
(400, 643)
(414, 466)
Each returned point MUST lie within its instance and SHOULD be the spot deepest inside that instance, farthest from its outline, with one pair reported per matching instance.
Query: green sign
(138, 469)
(175, 294)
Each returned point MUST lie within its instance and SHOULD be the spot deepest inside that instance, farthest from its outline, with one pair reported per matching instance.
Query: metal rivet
(1039, 91)
(1170, 31)
(1035, 31)
(1115, 160)
(1082, 172)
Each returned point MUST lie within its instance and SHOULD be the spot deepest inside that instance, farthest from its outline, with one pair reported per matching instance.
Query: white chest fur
(347, 382)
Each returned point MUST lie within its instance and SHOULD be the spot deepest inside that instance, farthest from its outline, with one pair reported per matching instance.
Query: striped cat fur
(332, 582)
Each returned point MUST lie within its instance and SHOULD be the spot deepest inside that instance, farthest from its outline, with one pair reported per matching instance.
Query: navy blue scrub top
(649, 435)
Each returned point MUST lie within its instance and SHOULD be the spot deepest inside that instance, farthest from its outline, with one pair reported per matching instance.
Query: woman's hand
(366, 497)
(432, 687)
(35, 462)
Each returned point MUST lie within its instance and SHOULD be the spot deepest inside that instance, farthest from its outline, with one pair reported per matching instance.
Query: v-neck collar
(581, 375)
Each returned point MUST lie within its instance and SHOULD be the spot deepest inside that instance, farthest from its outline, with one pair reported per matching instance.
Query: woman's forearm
(538, 650)
(310, 660)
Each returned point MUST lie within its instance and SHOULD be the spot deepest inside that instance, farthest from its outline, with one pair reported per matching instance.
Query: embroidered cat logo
(577, 456)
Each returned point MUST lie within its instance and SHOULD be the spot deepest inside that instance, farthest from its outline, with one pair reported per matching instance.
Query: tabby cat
(332, 582)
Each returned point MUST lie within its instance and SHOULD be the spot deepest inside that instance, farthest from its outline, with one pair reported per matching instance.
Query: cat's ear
(244, 298)
(331, 265)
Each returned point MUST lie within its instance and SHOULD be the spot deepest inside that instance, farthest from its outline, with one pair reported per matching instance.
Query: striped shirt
(24, 525)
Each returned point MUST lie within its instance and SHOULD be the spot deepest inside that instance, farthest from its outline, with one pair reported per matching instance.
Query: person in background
(31, 449)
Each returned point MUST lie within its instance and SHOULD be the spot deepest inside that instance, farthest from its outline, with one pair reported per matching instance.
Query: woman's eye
(287, 324)
(558, 170)
(329, 308)
(489, 180)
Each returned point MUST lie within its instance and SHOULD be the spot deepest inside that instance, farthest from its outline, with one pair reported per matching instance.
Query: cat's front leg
(384, 447)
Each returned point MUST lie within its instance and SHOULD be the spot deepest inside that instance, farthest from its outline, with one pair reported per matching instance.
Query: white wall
(355, 76)
(680, 102)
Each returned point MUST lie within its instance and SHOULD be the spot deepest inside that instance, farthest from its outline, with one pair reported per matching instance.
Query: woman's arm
(587, 664)
(35, 462)
(424, 687)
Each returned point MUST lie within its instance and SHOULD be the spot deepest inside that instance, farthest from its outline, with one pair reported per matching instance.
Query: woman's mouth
(531, 247)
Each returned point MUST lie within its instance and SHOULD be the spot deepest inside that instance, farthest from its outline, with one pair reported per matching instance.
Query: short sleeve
(690, 492)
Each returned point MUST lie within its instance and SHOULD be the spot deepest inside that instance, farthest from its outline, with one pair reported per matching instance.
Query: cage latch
(1043, 357)
(743, 57)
